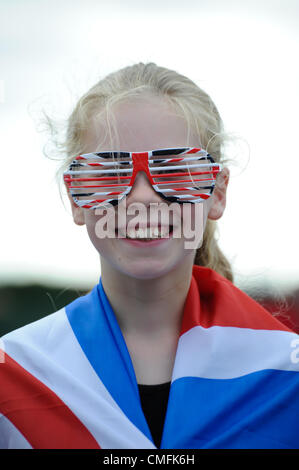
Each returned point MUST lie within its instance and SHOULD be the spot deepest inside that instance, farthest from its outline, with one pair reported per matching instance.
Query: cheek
(194, 217)
(95, 226)
(105, 247)
(100, 226)
(194, 222)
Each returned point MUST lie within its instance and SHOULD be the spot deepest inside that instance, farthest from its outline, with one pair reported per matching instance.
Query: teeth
(148, 233)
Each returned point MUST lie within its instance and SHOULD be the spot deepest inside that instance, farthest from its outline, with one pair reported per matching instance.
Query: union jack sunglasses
(176, 174)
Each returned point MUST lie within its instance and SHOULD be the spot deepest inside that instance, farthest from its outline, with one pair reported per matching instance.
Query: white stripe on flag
(10, 436)
(221, 352)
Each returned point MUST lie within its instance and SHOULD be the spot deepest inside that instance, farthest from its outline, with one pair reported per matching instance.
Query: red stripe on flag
(213, 300)
(38, 413)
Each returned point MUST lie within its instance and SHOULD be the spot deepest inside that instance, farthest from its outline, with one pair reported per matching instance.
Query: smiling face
(144, 124)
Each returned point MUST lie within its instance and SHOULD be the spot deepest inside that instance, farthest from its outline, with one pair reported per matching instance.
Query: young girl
(165, 352)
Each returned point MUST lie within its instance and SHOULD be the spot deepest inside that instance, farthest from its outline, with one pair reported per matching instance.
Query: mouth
(145, 234)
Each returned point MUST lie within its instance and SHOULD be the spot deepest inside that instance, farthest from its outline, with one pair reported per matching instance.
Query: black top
(154, 399)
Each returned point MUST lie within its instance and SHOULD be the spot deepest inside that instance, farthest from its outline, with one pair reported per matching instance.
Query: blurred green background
(20, 305)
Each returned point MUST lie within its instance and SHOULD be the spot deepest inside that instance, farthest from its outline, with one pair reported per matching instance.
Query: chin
(150, 270)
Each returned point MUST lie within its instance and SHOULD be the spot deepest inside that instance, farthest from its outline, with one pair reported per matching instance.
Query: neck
(148, 307)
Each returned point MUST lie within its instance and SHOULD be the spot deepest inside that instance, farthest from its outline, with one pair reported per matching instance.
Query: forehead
(145, 123)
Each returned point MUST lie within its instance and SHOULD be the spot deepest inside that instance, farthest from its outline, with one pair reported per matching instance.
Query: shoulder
(42, 334)
(223, 303)
(46, 350)
(51, 328)
(45, 336)
(239, 336)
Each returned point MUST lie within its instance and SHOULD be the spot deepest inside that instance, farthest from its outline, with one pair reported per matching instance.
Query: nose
(142, 191)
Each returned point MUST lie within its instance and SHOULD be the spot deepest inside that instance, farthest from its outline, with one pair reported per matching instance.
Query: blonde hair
(189, 101)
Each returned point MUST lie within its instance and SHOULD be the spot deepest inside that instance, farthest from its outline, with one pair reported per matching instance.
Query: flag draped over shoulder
(67, 380)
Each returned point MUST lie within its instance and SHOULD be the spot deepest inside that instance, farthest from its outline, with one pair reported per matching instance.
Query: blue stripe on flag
(258, 410)
(96, 328)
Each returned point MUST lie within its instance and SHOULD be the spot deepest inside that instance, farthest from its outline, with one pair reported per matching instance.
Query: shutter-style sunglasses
(176, 174)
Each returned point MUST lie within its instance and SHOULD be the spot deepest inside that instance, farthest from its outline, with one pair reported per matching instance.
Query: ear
(218, 199)
(78, 212)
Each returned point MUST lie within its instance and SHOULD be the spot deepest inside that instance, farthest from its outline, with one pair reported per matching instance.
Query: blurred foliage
(20, 305)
